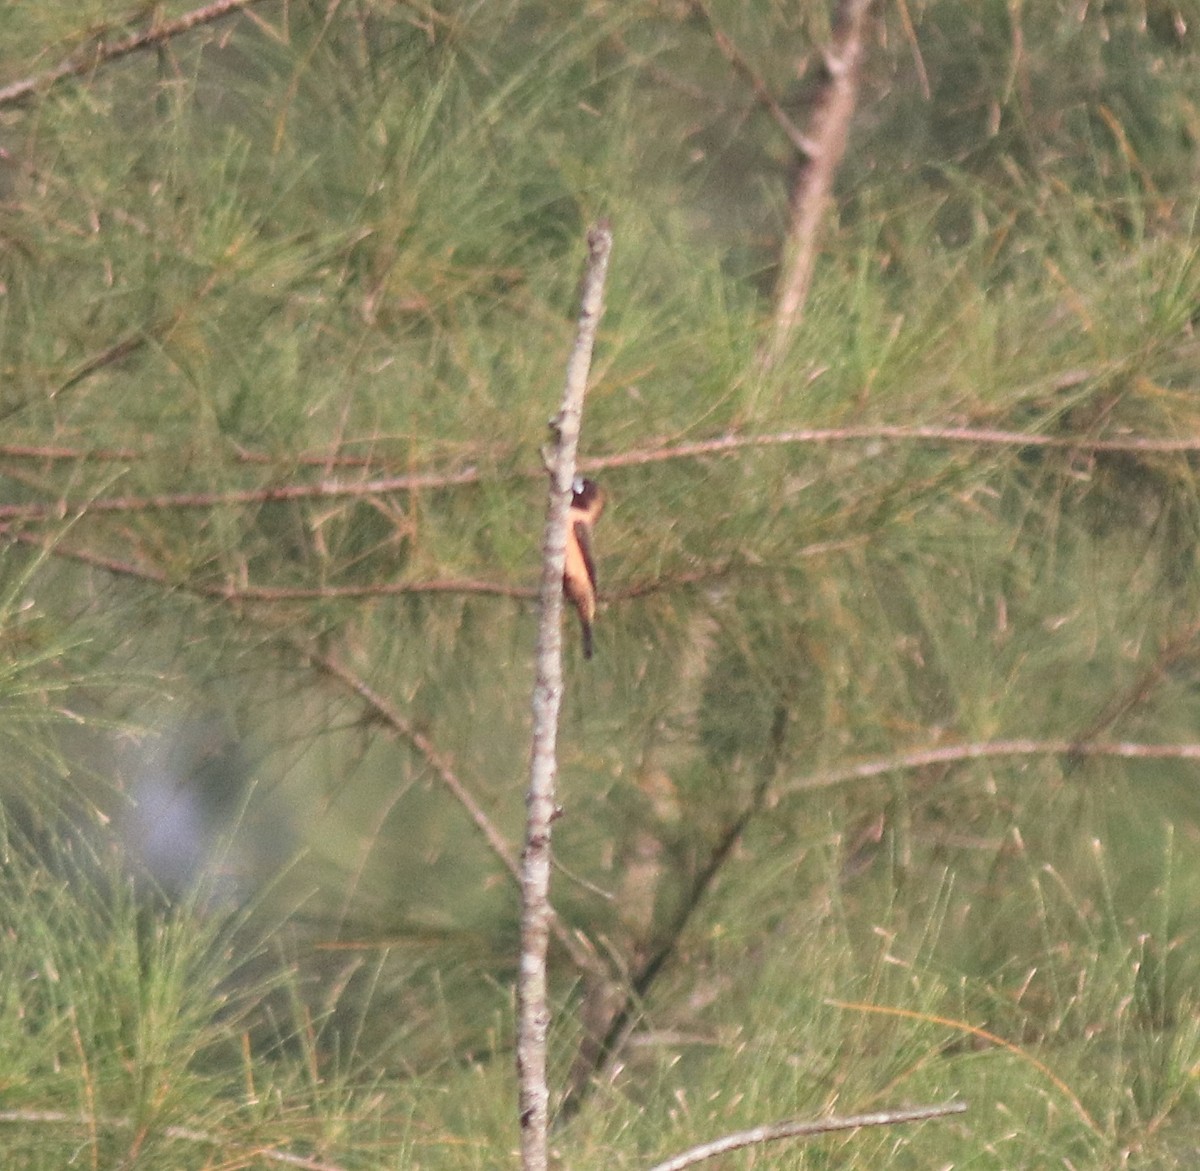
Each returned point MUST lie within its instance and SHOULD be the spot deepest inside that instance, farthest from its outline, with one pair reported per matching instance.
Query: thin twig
(331, 457)
(101, 53)
(533, 1012)
(54, 453)
(229, 592)
(758, 1135)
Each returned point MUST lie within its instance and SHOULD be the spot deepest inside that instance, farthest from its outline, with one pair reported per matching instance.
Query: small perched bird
(579, 572)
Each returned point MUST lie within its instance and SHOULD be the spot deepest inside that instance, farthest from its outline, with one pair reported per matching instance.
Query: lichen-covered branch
(533, 1012)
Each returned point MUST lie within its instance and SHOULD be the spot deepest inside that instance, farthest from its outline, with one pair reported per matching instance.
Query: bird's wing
(583, 534)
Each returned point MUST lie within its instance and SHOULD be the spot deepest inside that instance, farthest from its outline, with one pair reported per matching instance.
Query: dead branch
(730, 444)
(245, 594)
(55, 453)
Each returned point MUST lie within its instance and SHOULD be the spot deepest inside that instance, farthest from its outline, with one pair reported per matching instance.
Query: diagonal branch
(669, 939)
(102, 52)
(583, 957)
(1183, 644)
(762, 92)
(385, 710)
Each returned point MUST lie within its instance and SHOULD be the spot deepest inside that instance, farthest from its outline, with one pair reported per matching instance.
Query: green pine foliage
(285, 302)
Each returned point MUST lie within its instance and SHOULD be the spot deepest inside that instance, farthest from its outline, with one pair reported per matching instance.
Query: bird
(579, 570)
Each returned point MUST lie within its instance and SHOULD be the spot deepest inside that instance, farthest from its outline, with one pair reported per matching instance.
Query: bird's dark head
(585, 494)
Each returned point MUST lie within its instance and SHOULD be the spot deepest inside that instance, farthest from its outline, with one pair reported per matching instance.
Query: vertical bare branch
(830, 129)
(533, 1012)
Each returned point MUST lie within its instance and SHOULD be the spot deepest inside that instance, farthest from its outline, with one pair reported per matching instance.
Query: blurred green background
(285, 306)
